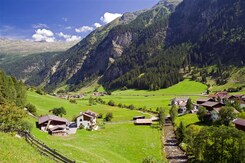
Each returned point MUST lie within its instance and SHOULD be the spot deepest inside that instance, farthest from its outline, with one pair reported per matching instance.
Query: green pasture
(122, 142)
(13, 149)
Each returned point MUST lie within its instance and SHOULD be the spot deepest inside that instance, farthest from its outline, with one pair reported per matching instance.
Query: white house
(87, 120)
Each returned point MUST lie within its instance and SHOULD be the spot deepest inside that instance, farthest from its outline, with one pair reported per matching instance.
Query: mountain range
(147, 49)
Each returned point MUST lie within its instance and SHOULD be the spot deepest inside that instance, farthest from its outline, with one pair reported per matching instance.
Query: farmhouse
(211, 105)
(87, 120)
(54, 125)
(143, 122)
(240, 124)
(181, 103)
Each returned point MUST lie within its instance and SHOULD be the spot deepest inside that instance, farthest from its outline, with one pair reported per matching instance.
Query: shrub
(73, 101)
(108, 117)
(131, 107)
(31, 108)
(100, 115)
(111, 103)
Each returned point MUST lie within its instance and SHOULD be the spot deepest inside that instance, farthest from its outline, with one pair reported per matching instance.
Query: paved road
(173, 153)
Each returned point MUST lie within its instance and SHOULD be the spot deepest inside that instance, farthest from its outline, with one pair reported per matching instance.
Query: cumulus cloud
(69, 37)
(84, 29)
(97, 25)
(39, 25)
(43, 35)
(108, 17)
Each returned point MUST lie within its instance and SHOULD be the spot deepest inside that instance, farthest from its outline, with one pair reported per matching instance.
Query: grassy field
(45, 103)
(185, 87)
(116, 143)
(187, 119)
(13, 149)
(160, 98)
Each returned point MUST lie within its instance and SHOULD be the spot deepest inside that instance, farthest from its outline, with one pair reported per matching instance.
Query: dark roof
(239, 121)
(46, 118)
(210, 104)
(203, 99)
(91, 113)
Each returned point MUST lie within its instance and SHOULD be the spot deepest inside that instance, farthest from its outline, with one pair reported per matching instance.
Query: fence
(45, 150)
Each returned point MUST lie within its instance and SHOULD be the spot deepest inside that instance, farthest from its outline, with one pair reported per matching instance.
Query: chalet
(143, 122)
(203, 100)
(45, 123)
(87, 120)
(138, 117)
(209, 105)
(218, 110)
(240, 124)
(179, 101)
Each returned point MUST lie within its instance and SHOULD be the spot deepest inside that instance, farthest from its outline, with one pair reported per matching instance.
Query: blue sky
(52, 20)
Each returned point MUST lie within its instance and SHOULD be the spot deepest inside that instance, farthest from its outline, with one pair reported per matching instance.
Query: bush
(111, 103)
(100, 115)
(131, 107)
(61, 91)
(25, 126)
(73, 101)
(31, 108)
(40, 91)
(108, 117)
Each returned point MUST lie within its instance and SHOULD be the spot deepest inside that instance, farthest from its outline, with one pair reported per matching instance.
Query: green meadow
(13, 149)
(115, 143)
(120, 141)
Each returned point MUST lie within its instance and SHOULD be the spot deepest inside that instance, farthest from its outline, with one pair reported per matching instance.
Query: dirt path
(173, 153)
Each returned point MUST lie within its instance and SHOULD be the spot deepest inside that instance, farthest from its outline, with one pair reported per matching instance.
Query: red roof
(239, 121)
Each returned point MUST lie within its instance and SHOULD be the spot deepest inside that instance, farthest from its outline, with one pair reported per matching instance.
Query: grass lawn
(122, 142)
(185, 87)
(116, 143)
(13, 149)
(187, 119)
(45, 103)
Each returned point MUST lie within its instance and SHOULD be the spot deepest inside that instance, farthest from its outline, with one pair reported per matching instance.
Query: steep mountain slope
(216, 28)
(200, 33)
(115, 49)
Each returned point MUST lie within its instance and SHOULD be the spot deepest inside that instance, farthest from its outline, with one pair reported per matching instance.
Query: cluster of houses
(67, 96)
(59, 126)
(213, 104)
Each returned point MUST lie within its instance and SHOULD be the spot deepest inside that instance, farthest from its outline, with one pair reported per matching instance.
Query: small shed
(240, 124)
(138, 117)
(143, 122)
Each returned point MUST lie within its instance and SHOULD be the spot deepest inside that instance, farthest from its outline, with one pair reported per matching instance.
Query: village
(213, 103)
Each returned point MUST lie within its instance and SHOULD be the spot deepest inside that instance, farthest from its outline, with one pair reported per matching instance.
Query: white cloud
(97, 25)
(74, 38)
(65, 19)
(69, 37)
(108, 17)
(84, 29)
(43, 35)
(39, 25)
(69, 27)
